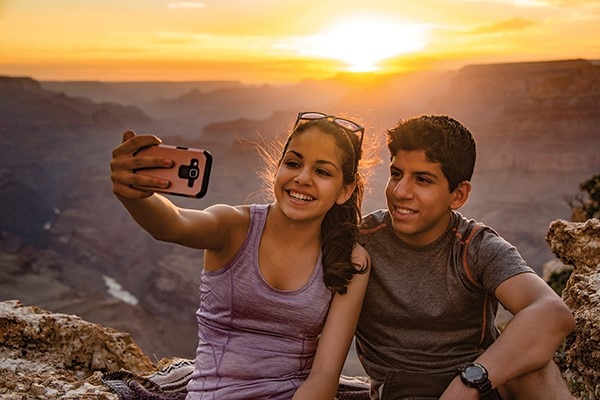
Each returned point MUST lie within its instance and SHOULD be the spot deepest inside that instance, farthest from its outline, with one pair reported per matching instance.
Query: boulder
(49, 356)
(577, 244)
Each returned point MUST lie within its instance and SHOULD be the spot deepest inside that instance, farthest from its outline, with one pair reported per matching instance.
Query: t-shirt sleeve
(494, 259)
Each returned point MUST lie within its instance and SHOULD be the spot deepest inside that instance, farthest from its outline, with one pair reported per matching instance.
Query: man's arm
(541, 321)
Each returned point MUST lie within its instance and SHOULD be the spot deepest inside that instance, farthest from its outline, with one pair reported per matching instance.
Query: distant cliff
(24, 105)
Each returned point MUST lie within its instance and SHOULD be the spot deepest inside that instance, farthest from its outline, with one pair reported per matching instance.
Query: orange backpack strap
(465, 250)
(465, 241)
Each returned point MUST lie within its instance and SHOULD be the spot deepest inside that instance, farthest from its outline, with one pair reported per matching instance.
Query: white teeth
(300, 196)
(404, 211)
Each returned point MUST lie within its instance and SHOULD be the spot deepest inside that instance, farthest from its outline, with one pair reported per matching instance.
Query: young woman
(283, 283)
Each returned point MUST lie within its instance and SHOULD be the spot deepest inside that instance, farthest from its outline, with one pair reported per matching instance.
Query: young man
(426, 329)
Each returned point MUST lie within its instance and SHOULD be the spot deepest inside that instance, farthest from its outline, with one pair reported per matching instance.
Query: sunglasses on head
(346, 124)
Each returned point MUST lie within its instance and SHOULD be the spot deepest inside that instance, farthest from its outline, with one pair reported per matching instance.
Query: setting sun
(363, 42)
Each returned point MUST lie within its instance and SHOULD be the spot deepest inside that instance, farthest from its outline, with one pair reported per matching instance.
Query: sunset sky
(283, 41)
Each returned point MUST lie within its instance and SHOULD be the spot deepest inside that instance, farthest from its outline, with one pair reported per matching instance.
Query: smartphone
(189, 173)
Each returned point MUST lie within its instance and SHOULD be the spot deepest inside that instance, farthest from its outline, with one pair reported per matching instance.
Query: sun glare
(362, 43)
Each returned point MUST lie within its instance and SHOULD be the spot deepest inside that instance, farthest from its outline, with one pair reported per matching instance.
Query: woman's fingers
(125, 182)
(132, 143)
(128, 135)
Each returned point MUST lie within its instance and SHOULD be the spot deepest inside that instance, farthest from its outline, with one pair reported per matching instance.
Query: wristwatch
(475, 375)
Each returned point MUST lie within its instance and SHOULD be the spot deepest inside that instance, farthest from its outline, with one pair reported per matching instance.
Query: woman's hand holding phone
(142, 165)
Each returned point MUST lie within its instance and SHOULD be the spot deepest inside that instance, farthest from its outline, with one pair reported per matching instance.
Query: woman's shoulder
(228, 214)
(360, 256)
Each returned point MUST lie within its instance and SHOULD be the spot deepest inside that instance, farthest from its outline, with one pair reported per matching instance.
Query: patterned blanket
(169, 384)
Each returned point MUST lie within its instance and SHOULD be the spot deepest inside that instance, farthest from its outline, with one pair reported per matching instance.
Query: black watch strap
(485, 388)
(493, 395)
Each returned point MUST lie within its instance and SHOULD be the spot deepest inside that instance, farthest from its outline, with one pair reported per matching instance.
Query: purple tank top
(255, 341)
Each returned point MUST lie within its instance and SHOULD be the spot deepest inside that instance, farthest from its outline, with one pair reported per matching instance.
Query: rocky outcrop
(50, 356)
(578, 245)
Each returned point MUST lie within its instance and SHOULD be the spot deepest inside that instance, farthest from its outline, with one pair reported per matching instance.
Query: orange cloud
(510, 25)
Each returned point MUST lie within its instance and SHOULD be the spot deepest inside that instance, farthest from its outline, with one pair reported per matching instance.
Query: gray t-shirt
(426, 310)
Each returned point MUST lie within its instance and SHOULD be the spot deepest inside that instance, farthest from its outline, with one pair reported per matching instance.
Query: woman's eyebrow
(300, 156)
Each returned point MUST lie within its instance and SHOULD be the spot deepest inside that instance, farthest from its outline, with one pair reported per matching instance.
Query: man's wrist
(475, 375)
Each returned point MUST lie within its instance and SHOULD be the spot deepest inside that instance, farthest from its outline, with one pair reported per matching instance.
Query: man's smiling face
(418, 197)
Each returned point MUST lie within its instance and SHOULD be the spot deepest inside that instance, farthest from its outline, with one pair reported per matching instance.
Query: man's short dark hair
(443, 139)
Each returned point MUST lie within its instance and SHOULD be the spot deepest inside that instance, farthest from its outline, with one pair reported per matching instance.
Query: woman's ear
(345, 194)
(460, 195)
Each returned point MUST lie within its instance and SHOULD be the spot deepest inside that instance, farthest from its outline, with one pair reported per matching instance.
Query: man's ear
(460, 195)
(346, 193)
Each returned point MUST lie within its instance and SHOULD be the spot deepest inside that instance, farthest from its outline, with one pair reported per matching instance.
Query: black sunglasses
(346, 124)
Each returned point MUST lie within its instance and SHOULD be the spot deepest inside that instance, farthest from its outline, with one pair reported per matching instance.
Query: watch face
(473, 373)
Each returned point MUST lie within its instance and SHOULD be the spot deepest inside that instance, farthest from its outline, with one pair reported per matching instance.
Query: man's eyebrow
(421, 173)
(428, 173)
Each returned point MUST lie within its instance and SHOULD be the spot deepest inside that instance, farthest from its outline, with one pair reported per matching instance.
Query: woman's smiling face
(309, 180)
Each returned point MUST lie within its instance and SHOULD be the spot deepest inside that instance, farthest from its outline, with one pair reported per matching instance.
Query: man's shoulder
(374, 220)
(467, 228)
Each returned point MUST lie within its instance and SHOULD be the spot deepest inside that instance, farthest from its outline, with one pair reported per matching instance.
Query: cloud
(575, 3)
(509, 25)
(185, 4)
(547, 4)
(532, 3)
(518, 3)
